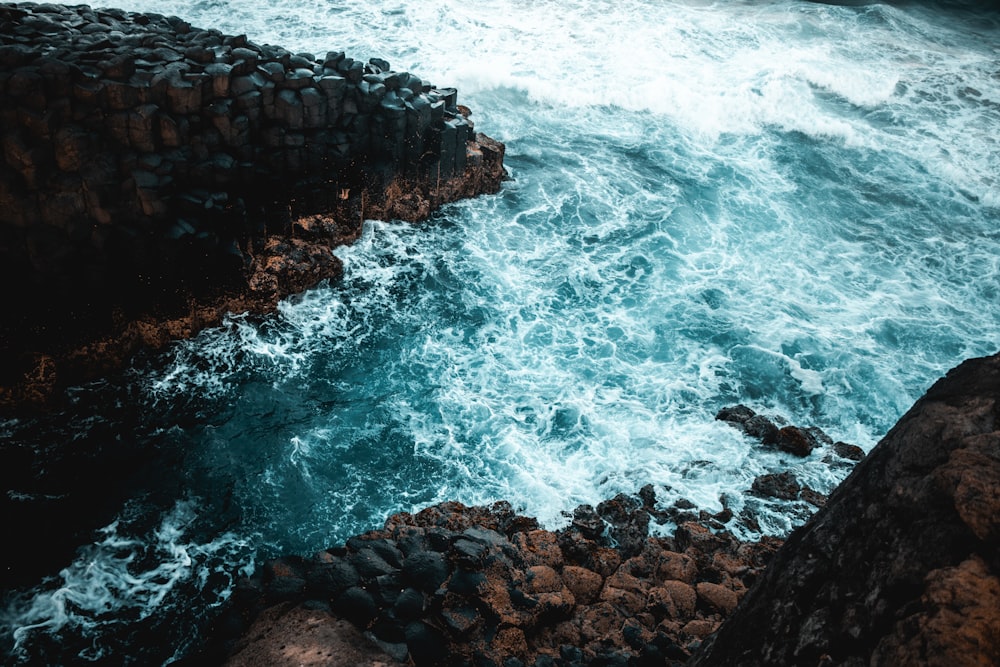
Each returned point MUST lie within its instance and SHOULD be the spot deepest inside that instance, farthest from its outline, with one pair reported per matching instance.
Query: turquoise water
(790, 205)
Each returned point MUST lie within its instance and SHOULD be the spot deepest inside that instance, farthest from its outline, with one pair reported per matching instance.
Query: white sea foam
(125, 577)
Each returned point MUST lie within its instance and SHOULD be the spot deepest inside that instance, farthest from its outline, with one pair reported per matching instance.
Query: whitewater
(791, 205)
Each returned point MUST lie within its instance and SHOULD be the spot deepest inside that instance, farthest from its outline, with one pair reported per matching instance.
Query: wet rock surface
(154, 175)
(456, 585)
(902, 566)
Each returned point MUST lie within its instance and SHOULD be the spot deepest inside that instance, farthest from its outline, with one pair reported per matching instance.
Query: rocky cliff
(155, 176)
(902, 566)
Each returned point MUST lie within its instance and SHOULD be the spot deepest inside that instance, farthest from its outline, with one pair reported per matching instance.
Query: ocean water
(792, 205)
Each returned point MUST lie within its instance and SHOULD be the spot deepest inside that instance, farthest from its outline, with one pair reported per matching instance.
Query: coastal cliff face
(902, 566)
(156, 176)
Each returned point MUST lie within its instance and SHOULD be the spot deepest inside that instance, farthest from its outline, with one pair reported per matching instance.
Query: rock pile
(146, 161)
(456, 585)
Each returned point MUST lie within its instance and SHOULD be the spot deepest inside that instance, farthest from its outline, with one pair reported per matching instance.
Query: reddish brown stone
(700, 628)
(679, 567)
(717, 597)
(683, 597)
(585, 584)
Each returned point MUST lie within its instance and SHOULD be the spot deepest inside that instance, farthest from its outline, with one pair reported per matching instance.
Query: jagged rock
(900, 566)
(795, 440)
(850, 452)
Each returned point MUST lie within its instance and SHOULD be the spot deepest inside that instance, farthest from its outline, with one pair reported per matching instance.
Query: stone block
(333, 58)
(118, 127)
(173, 131)
(272, 71)
(314, 107)
(288, 109)
(88, 92)
(219, 75)
(184, 97)
(71, 147)
(119, 95)
(241, 85)
(449, 134)
(142, 123)
(298, 79)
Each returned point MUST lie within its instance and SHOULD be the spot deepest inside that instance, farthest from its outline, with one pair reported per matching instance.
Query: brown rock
(510, 642)
(542, 579)
(901, 560)
(678, 567)
(660, 603)
(961, 609)
(683, 597)
(700, 628)
(629, 602)
(795, 440)
(599, 621)
(539, 547)
(718, 598)
(585, 584)
(288, 636)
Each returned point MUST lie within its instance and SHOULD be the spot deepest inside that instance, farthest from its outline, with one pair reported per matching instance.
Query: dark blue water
(791, 205)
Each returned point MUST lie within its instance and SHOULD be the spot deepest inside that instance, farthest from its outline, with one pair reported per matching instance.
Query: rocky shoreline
(156, 176)
(901, 565)
(457, 585)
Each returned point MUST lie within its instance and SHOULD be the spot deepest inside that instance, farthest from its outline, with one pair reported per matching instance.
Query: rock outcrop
(155, 176)
(902, 566)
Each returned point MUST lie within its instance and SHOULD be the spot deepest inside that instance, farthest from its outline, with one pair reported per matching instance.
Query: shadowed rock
(900, 567)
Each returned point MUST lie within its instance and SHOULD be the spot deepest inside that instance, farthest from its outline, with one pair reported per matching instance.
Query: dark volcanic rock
(484, 586)
(153, 177)
(901, 566)
(782, 485)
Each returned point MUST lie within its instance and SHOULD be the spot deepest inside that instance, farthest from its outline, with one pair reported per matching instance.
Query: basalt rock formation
(456, 585)
(483, 586)
(155, 176)
(902, 566)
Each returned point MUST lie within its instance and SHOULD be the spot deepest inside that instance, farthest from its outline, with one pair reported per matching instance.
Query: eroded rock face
(456, 585)
(148, 166)
(902, 567)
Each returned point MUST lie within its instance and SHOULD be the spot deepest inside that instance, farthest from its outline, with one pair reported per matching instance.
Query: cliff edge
(155, 176)
(902, 566)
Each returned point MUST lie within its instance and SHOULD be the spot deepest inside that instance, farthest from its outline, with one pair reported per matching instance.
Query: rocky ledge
(901, 566)
(456, 585)
(156, 176)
